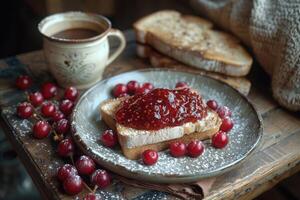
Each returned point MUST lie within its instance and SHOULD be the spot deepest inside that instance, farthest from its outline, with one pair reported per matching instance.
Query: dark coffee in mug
(76, 33)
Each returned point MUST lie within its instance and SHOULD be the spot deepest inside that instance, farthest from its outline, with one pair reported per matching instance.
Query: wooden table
(277, 158)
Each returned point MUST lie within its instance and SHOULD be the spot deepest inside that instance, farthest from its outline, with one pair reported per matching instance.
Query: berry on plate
(149, 157)
(212, 104)
(41, 129)
(181, 85)
(58, 115)
(224, 111)
(85, 165)
(24, 110)
(119, 89)
(195, 148)
(177, 149)
(132, 86)
(109, 138)
(226, 125)
(62, 126)
(219, 140)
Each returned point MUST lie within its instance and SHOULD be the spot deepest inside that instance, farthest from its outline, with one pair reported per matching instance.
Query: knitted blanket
(272, 29)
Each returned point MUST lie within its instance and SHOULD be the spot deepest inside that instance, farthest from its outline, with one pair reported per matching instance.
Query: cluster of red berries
(131, 88)
(53, 118)
(70, 176)
(177, 149)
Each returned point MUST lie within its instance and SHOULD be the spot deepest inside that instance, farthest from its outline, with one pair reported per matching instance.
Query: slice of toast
(159, 60)
(134, 142)
(191, 40)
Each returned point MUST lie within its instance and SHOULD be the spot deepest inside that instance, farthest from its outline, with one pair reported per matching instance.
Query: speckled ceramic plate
(244, 137)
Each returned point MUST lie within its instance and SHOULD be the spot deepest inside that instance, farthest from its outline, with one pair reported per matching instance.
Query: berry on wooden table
(109, 138)
(85, 165)
(65, 148)
(132, 86)
(66, 106)
(23, 82)
(73, 185)
(62, 126)
(149, 157)
(219, 140)
(195, 148)
(66, 171)
(177, 149)
(119, 89)
(212, 104)
(24, 110)
(101, 178)
(41, 129)
(49, 90)
(71, 93)
(48, 109)
(36, 98)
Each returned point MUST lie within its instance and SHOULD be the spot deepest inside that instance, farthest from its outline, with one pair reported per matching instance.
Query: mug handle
(121, 37)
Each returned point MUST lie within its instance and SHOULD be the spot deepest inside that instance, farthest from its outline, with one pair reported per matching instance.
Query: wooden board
(277, 158)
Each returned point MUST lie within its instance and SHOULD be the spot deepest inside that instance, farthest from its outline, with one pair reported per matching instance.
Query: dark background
(19, 34)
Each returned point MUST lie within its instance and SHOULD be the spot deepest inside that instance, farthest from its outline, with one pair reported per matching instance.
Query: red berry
(219, 140)
(224, 111)
(85, 165)
(149, 157)
(109, 138)
(24, 110)
(132, 86)
(148, 86)
(177, 149)
(101, 178)
(65, 148)
(36, 98)
(23, 82)
(141, 90)
(66, 106)
(49, 90)
(58, 115)
(226, 125)
(195, 148)
(181, 85)
(41, 129)
(66, 171)
(71, 93)
(123, 95)
(48, 109)
(119, 89)
(91, 196)
(212, 104)
(73, 185)
(62, 126)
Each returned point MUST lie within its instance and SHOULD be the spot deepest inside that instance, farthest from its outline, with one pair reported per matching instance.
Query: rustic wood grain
(277, 158)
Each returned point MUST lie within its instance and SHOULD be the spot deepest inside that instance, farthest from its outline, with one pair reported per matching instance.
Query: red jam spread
(161, 108)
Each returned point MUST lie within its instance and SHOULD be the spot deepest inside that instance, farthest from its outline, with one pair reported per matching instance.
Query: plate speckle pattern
(243, 138)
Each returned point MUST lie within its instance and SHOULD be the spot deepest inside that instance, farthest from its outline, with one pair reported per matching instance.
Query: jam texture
(161, 108)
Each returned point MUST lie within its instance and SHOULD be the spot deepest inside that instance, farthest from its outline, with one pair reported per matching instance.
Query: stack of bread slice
(189, 43)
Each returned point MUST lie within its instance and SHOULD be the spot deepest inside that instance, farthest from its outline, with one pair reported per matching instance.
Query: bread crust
(235, 63)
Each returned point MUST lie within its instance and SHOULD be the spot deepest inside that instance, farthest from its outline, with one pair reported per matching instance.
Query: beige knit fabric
(272, 29)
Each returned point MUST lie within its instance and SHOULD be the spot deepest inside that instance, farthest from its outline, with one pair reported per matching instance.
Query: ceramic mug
(74, 61)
